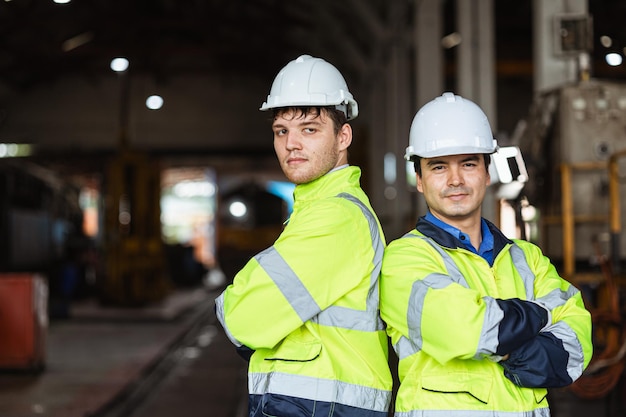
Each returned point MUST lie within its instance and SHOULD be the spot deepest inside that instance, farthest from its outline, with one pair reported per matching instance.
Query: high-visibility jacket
(308, 306)
(452, 318)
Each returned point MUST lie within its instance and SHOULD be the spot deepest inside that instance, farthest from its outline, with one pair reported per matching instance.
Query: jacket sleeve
(560, 353)
(429, 309)
(522, 320)
(323, 254)
(540, 362)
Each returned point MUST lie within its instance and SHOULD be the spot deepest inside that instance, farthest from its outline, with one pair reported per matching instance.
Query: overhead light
(613, 59)
(119, 64)
(237, 209)
(154, 102)
(11, 150)
(62, 1)
(606, 41)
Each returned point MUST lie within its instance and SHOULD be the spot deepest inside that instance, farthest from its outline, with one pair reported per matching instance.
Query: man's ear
(345, 136)
(418, 183)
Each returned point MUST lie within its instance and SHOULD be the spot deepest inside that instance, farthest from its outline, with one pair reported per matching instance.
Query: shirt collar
(486, 245)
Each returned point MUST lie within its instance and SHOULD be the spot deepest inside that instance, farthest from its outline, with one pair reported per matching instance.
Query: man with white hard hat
(305, 310)
(482, 324)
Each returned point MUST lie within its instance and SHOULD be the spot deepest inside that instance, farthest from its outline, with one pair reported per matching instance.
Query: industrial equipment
(575, 148)
(250, 219)
(574, 132)
(23, 321)
(135, 270)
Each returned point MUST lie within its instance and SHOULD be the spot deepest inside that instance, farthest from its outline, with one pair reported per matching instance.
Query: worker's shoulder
(526, 245)
(412, 238)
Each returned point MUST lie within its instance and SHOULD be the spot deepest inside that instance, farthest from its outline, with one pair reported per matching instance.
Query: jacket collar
(328, 185)
(445, 239)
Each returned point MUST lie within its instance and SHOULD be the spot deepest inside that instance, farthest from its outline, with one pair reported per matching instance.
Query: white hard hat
(450, 125)
(309, 81)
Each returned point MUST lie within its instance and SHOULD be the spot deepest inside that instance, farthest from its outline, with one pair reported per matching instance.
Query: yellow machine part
(135, 266)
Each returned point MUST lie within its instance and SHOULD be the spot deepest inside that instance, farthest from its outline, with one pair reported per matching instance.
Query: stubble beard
(308, 171)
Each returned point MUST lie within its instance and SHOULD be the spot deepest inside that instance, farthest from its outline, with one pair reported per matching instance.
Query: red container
(23, 321)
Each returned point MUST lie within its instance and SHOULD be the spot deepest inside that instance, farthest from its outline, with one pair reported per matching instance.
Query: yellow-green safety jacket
(308, 305)
(452, 318)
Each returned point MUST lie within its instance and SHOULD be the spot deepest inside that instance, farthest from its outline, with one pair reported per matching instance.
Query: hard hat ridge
(309, 81)
(450, 125)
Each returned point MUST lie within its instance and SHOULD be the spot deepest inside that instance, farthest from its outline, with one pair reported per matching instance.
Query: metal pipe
(615, 221)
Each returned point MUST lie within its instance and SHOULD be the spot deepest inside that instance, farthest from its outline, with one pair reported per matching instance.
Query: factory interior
(138, 175)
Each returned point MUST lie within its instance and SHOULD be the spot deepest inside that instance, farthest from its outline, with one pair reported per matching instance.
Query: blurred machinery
(573, 146)
(135, 272)
(250, 218)
(575, 149)
(40, 219)
(23, 321)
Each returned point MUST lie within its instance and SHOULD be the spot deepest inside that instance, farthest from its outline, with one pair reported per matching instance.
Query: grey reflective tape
(319, 389)
(219, 312)
(539, 412)
(438, 281)
(488, 342)
(571, 291)
(453, 270)
(557, 297)
(412, 345)
(377, 242)
(415, 311)
(405, 347)
(303, 302)
(347, 318)
(521, 265)
(571, 344)
(288, 283)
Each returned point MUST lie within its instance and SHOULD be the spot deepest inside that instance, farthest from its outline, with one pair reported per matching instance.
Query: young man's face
(454, 186)
(306, 144)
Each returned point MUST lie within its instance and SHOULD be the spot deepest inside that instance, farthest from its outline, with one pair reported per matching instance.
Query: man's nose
(293, 141)
(455, 178)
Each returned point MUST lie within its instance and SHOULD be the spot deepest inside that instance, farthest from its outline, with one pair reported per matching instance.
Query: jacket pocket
(477, 386)
(300, 346)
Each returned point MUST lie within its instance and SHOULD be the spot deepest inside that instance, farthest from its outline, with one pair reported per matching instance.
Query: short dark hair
(337, 116)
(418, 167)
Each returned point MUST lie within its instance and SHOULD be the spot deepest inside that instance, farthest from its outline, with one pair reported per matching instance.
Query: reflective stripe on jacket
(451, 317)
(308, 305)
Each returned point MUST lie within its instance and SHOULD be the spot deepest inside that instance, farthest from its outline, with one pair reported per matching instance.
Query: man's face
(306, 144)
(454, 186)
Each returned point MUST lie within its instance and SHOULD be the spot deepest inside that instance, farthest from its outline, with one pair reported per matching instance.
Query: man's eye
(309, 130)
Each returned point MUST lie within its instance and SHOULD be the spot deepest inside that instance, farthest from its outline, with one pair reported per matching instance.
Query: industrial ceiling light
(613, 59)
(606, 41)
(154, 102)
(119, 64)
